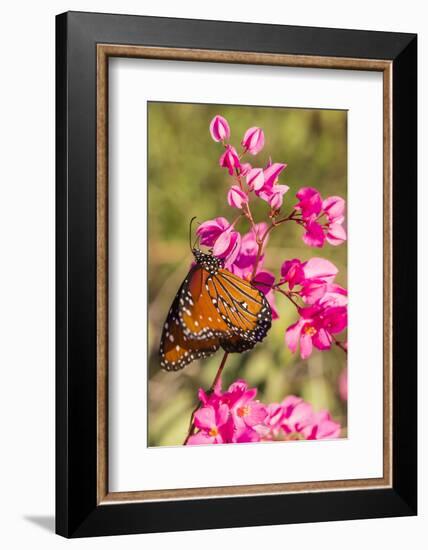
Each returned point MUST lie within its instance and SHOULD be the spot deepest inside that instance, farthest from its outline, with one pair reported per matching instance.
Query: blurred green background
(185, 180)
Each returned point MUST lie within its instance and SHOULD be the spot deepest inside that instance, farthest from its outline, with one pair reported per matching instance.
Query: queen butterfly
(213, 308)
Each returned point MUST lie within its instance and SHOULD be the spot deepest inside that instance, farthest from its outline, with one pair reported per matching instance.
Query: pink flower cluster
(236, 416)
(322, 219)
(325, 311)
(294, 418)
(261, 181)
(320, 302)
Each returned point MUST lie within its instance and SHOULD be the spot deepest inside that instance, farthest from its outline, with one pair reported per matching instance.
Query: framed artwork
(236, 241)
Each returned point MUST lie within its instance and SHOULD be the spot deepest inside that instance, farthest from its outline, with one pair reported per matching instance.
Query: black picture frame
(77, 511)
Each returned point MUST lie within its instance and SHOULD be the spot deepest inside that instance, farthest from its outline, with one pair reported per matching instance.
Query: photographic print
(210, 233)
(247, 274)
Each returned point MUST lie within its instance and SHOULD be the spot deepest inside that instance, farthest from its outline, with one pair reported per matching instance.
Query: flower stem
(341, 345)
(287, 295)
(212, 388)
(261, 241)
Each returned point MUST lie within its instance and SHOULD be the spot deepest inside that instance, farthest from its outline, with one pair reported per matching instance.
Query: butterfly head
(209, 262)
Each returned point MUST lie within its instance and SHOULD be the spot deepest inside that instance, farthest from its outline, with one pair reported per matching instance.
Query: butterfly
(213, 308)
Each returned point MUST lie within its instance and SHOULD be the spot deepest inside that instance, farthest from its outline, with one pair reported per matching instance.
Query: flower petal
(272, 172)
(255, 179)
(264, 280)
(201, 438)
(205, 417)
(310, 202)
(210, 230)
(336, 234)
(314, 235)
(292, 335)
(334, 208)
(320, 268)
(305, 346)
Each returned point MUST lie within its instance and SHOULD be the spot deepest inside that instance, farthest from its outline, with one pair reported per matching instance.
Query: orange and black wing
(210, 311)
(176, 349)
(198, 315)
(243, 307)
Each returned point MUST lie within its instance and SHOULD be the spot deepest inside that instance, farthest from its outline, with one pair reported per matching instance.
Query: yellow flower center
(213, 432)
(310, 330)
(243, 411)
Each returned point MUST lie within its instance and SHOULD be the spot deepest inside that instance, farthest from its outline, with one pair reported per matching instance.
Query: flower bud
(219, 128)
(255, 179)
(236, 197)
(230, 160)
(254, 140)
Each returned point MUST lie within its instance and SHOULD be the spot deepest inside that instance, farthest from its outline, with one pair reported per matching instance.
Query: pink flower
(227, 246)
(230, 160)
(219, 129)
(319, 268)
(295, 419)
(212, 397)
(315, 327)
(210, 231)
(244, 263)
(215, 425)
(292, 273)
(221, 236)
(319, 275)
(334, 209)
(270, 191)
(276, 197)
(229, 417)
(245, 168)
(254, 140)
(314, 235)
(246, 435)
(236, 416)
(321, 427)
(334, 295)
(263, 182)
(297, 415)
(336, 234)
(327, 301)
(272, 425)
(312, 208)
(236, 197)
(310, 202)
(245, 410)
(315, 276)
(271, 174)
(255, 179)
(264, 281)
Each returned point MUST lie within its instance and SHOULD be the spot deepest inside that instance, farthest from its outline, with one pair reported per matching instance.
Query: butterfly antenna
(196, 241)
(190, 233)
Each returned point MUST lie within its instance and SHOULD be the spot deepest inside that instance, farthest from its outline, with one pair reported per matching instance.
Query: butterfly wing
(210, 311)
(176, 350)
(236, 344)
(199, 317)
(242, 306)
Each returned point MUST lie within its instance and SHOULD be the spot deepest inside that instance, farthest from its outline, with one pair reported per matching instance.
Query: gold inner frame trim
(104, 51)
